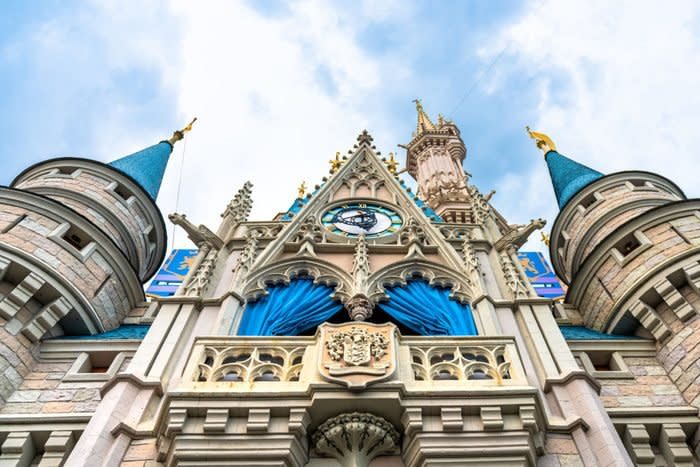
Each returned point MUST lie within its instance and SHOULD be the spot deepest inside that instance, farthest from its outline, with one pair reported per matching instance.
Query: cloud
(617, 87)
(276, 97)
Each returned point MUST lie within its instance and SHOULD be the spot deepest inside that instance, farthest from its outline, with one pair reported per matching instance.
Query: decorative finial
(441, 120)
(179, 134)
(392, 164)
(543, 142)
(335, 163)
(545, 238)
(301, 190)
(424, 122)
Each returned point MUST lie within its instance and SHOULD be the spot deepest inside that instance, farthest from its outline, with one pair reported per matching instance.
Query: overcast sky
(279, 87)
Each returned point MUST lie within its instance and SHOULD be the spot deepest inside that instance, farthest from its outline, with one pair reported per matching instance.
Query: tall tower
(434, 157)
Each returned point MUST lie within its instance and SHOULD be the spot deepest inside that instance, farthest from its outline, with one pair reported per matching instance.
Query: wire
(478, 79)
(179, 189)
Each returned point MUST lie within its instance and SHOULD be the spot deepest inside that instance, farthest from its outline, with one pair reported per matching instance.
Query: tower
(625, 244)
(434, 158)
(364, 326)
(78, 240)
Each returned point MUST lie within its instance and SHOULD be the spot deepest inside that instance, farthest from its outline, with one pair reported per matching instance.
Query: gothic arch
(285, 270)
(435, 274)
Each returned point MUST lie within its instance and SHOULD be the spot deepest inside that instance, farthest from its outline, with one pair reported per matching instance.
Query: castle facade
(366, 326)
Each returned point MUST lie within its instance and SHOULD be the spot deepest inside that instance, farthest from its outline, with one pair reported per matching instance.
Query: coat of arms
(357, 354)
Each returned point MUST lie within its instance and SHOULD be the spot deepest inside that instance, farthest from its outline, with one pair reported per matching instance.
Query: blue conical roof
(568, 177)
(147, 166)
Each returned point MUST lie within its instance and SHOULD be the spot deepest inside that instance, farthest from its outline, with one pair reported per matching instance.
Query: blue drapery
(289, 310)
(428, 310)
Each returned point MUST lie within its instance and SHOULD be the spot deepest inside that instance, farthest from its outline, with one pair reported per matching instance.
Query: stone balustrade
(291, 363)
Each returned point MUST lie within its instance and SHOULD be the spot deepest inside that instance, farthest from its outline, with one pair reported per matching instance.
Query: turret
(434, 158)
(78, 238)
(628, 245)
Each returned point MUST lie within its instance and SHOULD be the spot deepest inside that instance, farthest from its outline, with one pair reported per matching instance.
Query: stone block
(56, 395)
(258, 420)
(21, 407)
(673, 445)
(215, 420)
(24, 396)
(492, 418)
(451, 418)
(58, 407)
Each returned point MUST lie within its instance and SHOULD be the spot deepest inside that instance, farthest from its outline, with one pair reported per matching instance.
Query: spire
(147, 166)
(568, 176)
(424, 122)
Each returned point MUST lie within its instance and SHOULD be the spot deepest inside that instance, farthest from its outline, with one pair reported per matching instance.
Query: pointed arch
(434, 274)
(322, 272)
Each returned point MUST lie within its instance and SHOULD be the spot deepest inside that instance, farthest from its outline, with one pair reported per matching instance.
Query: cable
(478, 80)
(179, 189)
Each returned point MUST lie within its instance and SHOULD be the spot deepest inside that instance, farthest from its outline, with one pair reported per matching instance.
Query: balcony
(291, 364)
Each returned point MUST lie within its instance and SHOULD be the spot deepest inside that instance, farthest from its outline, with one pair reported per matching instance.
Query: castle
(365, 326)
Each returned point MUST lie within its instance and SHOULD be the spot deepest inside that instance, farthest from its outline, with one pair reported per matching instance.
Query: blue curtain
(288, 310)
(428, 310)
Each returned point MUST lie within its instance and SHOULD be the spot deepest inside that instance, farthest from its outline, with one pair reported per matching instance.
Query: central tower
(434, 158)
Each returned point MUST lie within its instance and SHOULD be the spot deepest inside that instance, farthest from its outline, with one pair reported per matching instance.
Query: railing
(232, 362)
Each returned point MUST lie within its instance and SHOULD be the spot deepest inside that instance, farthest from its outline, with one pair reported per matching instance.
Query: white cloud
(617, 84)
(265, 112)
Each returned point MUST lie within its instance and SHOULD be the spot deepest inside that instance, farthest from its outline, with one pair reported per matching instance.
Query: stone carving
(209, 245)
(435, 274)
(473, 363)
(513, 280)
(359, 308)
(200, 235)
(239, 208)
(309, 231)
(354, 439)
(517, 235)
(414, 237)
(455, 232)
(480, 206)
(250, 363)
(201, 276)
(357, 354)
(247, 257)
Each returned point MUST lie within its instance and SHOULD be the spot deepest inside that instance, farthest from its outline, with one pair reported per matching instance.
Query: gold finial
(392, 164)
(301, 190)
(335, 163)
(441, 120)
(179, 134)
(424, 122)
(545, 238)
(543, 142)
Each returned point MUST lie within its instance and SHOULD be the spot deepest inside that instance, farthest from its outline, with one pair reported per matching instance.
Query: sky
(278, 87)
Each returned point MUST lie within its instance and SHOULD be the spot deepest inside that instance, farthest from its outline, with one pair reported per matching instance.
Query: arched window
(428, 310)
(289, 309)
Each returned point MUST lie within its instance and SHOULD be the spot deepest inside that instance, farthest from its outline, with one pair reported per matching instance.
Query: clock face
(352, 220)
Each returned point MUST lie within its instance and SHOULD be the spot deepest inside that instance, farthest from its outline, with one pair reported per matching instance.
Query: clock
(355, 219)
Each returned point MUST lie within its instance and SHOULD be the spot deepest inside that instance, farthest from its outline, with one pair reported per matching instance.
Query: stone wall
(680, 354)
(99, 285)
(17, 358)
(617, 274)
(650, 387)
(600, 210)
(43, 391)
(110, 201)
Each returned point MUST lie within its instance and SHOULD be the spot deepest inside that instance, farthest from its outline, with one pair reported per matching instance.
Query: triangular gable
(362, 177)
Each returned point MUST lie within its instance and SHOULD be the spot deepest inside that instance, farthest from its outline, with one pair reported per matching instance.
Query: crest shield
(357, 354)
